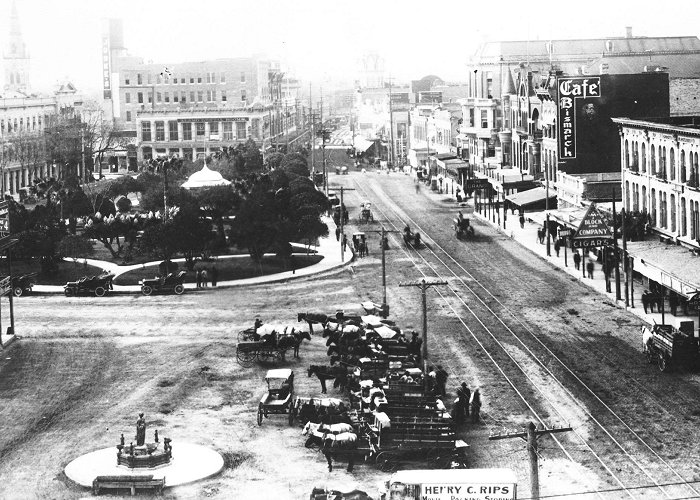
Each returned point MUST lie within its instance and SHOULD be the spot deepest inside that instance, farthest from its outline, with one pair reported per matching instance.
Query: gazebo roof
(205, 178)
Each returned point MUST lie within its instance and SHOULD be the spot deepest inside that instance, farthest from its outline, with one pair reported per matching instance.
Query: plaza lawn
(229, 269)
(67, 271)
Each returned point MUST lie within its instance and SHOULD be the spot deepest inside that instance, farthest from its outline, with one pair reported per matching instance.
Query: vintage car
(99, 285)
(169, 283)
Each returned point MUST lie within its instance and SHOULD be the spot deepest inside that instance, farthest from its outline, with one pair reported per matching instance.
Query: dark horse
(327, 373)
(312, 318)
(293, 340)
(323, 494)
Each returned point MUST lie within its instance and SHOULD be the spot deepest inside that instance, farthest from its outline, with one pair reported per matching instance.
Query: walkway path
(328, 247)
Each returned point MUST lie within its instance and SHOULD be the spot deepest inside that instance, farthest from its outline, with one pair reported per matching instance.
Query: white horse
(320, 429)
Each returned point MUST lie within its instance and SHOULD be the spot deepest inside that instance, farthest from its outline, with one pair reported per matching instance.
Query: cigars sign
(569, 91)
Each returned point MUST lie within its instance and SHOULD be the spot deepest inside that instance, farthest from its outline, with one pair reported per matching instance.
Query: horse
(338, 442)
(293, 340)
(311, 318)
(324, 494)
(326, 373)
(313, 427)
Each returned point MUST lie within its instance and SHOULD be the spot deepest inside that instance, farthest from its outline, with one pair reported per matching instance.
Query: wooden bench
(141, 482)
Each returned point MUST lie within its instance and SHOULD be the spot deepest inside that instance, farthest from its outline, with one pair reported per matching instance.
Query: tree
(123, 204)
(255, 226)
(217, 202)
(273, 160)
(252, 157)
(63, 136)
(75, 247)
(100, 136)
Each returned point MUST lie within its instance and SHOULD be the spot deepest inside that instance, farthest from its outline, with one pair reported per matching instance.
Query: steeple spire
(15, 57)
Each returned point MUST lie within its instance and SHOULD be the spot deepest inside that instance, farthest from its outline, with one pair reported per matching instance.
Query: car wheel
(179, 289)
(18, 291)
(146, 290)
(69, 292)
(100, 292)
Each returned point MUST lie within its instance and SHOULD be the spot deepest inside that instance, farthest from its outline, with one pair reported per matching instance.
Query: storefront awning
(673, 266)
(531, 197)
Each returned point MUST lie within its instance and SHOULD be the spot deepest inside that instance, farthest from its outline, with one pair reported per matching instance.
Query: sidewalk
(328, 247)
(527, 237)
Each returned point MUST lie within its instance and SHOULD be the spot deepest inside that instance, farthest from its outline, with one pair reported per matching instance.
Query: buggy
(463, 228)
(98, 285)
(278, 399)
(411, 239)
(171, 282)
(669, 347)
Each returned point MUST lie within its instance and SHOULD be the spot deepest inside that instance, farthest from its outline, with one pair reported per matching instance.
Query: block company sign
(569, 91)
(505, 491)
(593, 230)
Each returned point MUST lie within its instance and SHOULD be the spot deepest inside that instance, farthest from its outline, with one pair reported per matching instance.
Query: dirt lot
(85, 367)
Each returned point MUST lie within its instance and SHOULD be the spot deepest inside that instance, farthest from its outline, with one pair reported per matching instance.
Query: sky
(318, 40)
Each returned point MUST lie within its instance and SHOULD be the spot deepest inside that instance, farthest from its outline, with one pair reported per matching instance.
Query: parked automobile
(98, 284)
(170, 283)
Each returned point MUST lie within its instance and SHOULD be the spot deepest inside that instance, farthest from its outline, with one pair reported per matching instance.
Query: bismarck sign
(570, 90)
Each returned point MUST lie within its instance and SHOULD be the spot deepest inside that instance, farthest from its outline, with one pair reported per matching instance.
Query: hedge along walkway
(328, 248)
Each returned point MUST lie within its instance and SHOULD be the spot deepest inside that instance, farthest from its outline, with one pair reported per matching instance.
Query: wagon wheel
(146, 290)
(179, 289)
(100, 292)
(663, 362)
(17, 291)
(260, 413)
(387, 461)
(245, 358)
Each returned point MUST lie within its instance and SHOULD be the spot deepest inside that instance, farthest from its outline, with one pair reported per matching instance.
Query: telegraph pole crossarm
(530, 435)
(424, 285)
(383, 243)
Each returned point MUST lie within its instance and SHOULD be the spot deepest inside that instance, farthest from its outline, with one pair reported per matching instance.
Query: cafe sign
(569, 91)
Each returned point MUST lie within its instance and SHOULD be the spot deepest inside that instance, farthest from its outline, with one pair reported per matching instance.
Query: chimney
(628, 31)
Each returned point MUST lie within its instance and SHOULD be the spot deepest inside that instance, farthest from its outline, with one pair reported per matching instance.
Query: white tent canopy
(205, 178)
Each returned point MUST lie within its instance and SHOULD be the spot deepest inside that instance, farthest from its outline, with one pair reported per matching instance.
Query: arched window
(627, 154)
(652, 170)
(684, 220)
(684, 175)
(672, 165)
(662, 162)
(654, 220)
(644, 157)
(644, 199)
(627, 195)
(673, 212)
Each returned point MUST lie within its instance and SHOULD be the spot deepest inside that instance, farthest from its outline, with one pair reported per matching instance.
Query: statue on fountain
(140, 430)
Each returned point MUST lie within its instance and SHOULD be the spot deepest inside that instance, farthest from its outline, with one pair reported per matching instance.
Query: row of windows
(168, 78)
(662, 162)
(227, 131)
(664, 209)
(28, 124)
(181, 97)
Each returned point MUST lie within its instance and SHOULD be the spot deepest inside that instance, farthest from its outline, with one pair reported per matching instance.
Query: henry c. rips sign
(570, 90)
(505, 491)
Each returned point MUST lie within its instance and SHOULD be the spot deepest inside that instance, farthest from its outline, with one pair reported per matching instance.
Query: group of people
(202, 277)
(466, 400)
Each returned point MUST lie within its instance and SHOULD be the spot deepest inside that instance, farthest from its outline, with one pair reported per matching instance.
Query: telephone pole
(342, 221)
(384, 243)
(530, 435)
(313, 136)
(392, 157)
(424, 285)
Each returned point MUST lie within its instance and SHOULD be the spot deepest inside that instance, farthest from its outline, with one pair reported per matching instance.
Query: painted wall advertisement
(588, 140)
(106, 68)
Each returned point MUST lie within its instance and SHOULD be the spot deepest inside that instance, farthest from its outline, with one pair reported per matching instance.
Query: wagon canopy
(279, 373)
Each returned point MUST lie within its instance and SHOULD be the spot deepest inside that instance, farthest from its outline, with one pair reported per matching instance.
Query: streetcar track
(493, 298)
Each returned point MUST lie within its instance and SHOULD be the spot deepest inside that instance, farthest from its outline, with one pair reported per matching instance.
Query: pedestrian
(577, 260)
(522, 221)
(345, 242)
(417, 187)
(198, 277)
(214, 275)
(557, 247)
(589, 268)
(205, 278)
(337, 234)
(540, 235)
(458, 410)
(673, 302)
(432, 377)
(441, 380)
(465, 395)
(645, 301)
(476, 406)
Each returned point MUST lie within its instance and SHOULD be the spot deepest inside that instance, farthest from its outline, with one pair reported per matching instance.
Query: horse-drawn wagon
(669, 347)
(366, 213)
(268, 346)
(280, 391)
(411, 239)
(463, 228)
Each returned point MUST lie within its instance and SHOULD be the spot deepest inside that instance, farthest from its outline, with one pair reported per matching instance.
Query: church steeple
(16, 57)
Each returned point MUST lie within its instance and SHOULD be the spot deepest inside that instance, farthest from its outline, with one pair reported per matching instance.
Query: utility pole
(323, 150)
(384, 243)
(342, 221)
(625, 259)
(392, 157)
(618, 296)
(546, 209)
(530, 435)
(313, 135)
(424, 285)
